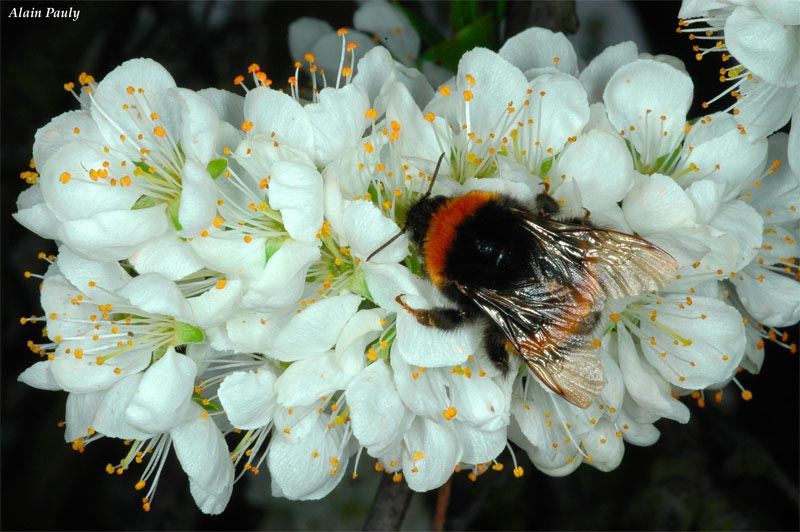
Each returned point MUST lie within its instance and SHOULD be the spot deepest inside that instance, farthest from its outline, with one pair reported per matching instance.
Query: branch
(389, 505)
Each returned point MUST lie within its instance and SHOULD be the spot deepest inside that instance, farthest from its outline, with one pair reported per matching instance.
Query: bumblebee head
(419, 217)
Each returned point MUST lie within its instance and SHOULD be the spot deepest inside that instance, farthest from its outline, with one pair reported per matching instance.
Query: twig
(389, 505)
(442, 502)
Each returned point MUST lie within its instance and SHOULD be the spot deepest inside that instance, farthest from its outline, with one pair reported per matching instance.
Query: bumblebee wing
(621, 264)
(550, 326)
(550, 322)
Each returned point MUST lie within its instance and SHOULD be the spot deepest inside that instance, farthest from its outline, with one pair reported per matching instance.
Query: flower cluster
(214, 290)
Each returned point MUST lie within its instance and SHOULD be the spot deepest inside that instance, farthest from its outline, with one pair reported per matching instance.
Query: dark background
(734, 466)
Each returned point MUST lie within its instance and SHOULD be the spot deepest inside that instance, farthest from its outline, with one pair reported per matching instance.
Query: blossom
(238, 298)
(762, 38)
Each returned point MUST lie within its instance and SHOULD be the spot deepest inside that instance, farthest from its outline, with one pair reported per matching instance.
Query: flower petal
(164, 395)
(645, 387)
(203, 455)
(652, 98)
(438, 450)
(366, 229)
(248, 397)
(198, 199)
(768, 48)
(709, 335)
(378, 417)
(282, 282)
(296, 191)
(167, 255)
(310, 468)
(657, 204)
(596, 75)
(537, 48)
(315, 329)
(338, 120)
(110, 417)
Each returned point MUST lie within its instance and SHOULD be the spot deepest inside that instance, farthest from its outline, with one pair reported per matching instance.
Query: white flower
(377, 22)
(763, 37)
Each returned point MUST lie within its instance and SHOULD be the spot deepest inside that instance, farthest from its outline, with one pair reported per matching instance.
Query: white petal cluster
(215, 293)
(759, 44)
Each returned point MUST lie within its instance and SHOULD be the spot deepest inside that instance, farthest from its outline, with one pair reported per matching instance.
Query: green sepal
(173, 210)
(413, 263)
(158, 353)
(271, 246)
(211, 405)
(216, 167)
(186, 333)
(145, 202)
(358, 284)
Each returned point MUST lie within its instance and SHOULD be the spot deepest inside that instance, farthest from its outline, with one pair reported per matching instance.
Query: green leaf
(145, 201)
(462, 13)
(481, 32)
(186, 333)
(216, 167)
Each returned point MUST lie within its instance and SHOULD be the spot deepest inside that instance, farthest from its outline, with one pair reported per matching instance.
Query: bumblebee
(537, 283)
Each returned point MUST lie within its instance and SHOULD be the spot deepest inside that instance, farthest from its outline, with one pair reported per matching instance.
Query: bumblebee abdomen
(475, 239)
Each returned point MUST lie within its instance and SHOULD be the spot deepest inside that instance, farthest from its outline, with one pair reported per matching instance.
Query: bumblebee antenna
(403, 229)
(433, 178)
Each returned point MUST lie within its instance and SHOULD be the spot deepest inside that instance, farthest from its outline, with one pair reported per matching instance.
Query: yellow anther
(449, 413)
(747, 395)
(615, 317)
(65, 177)
(371, 113)
(397, 477)
(253, 68)
(140, 485)
(247, 126)
(444, 90)
(352, 46)
(341, 32)
(468, 96)
(518, 471)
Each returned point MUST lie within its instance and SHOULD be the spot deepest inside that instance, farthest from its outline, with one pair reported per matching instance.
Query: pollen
(65, 177)
(444, 90)
(468, 96)
(470, 80)
(449, 413)
(221, 284)
(615, 317)
(247, 126)
(371, 113)
(430, 117)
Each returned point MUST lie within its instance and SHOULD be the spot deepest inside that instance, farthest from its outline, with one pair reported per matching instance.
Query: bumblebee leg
(586, 215)
(545, 205)
(439, 317)
(497, 348)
